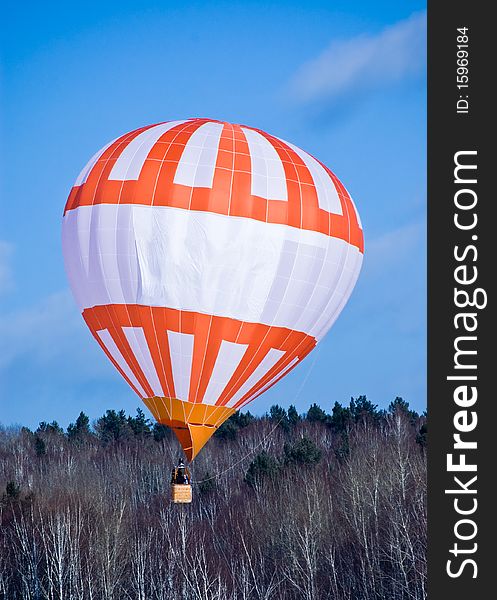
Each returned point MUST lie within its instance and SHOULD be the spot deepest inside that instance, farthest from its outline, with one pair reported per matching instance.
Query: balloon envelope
(208, 259)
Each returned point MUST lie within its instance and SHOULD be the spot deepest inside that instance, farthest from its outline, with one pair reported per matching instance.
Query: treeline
(286, 506)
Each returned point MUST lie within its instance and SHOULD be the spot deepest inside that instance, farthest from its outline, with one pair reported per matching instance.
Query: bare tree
(330, 510)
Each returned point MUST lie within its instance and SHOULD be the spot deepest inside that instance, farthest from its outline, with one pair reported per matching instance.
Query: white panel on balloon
(327, 194)
(138, 342)
(130, 163)
(267, 363)
(198, 161)
(114, 351)
(227, 361)
(181, 347)
(268, 173)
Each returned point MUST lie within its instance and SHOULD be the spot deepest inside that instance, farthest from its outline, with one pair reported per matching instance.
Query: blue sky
(344, 80)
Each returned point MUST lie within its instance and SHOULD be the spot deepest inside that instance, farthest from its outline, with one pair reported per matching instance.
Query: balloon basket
(181, 493)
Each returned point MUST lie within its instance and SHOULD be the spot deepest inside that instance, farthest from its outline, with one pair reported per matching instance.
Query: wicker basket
(181, 493)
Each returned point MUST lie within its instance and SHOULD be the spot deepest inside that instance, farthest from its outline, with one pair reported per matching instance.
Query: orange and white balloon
(208, 259)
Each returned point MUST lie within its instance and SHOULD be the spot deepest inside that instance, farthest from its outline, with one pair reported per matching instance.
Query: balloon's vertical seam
(285, 359)
(165, 390)
(332, 318)
(132, 204)
(94, 211)
(90, 230)
(293, 265)
(261, 342)
(194, 395)
(181, 128)
(347, 251)
(235, 386)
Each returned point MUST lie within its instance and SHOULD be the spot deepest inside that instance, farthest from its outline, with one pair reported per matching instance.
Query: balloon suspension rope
(299, 391)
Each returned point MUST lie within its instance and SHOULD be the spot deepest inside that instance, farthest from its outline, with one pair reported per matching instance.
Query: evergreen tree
(242, 419)
(12, 491)
(160, 432)
(304, 451)
(316, 414)
(40, 446)
(340, 418)
(264, 466)
(400, 406)
(52, 428)
(278, 415)
(140, 424)
(362, 408)
(113, 426)
(293, 415)
(422, 436)
(80, 429)
(229, 429)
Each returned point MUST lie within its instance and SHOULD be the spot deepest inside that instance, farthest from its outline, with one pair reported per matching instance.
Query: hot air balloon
(208, 259)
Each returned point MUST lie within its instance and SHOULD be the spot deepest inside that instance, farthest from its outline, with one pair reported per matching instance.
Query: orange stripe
(292, 342)
(208, 331)
(160, 326)
(121, 342)
(231, 191)
(87, 194)
(165, 192)
(202, 328)
(301, 352)
(243, 204)
(151, 335)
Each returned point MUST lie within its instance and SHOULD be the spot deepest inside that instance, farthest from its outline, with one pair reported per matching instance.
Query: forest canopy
(324, 504)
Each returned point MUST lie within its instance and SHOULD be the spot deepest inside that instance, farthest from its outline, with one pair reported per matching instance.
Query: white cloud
(6, 280)
(394, 249)
(364, 62)
(50, 337)
(392, 288)
(51, 367)
(35, 331)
